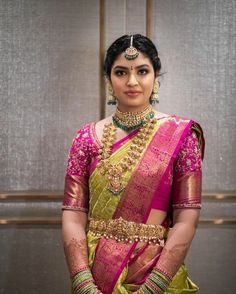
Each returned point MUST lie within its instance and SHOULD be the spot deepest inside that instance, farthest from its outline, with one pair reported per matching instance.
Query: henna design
(76, 255)
(171, 259)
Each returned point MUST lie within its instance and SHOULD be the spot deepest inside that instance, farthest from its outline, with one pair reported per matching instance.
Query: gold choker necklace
(114, 173)
(129, 121)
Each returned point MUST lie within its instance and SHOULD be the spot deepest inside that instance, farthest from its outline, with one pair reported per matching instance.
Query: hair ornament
(131, 52)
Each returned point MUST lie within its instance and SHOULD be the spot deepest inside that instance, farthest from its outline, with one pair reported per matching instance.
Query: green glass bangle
(164, 272)
(85, 288)
(164, 277)
(158, 283)
(80, 278)
(153, 287)
(161, 278)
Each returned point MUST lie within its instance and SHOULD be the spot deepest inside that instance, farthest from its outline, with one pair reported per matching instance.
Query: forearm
(176, 247)
(76, 252)
(74, 241)
(173, 253)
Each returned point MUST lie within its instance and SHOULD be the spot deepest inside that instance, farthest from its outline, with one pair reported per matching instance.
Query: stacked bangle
(78, 269)
(157, 282)
(164, 272)
(83, 283)
(149, 287)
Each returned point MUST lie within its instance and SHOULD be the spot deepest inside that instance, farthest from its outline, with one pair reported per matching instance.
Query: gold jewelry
(129, 121)
(127, 231)
(114, 173)
(154, 97)
(111, 98)
(131, 52)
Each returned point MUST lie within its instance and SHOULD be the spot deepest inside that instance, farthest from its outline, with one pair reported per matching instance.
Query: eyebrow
(136, 67)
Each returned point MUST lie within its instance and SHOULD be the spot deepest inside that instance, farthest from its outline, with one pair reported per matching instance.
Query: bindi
(131, 68)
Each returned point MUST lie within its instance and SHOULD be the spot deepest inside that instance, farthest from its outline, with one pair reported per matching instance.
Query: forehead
(141, 59)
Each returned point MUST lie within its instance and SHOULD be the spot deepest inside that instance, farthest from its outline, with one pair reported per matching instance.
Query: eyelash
(122, 72)
(143, 71)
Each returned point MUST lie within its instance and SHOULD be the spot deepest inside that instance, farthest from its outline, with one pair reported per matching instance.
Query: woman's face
(132, 82)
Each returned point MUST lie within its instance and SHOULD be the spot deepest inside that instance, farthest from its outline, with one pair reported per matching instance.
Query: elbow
(74, 219)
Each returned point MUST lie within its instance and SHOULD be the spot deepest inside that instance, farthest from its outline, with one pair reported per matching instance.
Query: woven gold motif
(125, 231)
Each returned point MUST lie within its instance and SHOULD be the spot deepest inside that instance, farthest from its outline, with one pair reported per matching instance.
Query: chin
(132, 106)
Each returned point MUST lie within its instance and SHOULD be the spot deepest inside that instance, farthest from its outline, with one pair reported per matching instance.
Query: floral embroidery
(189, 156)
(187, 170)
(81, 152)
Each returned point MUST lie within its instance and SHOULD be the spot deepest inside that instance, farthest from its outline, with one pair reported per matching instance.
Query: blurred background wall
(50, 74)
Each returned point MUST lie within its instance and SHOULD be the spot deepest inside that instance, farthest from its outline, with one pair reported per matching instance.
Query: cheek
(117, 85)
(114, 81)
(148, 84)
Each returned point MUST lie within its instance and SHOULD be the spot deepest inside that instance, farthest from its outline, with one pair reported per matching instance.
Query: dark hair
(141, 43)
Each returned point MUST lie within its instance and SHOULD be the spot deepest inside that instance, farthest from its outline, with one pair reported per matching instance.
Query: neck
(135, 111)
(132, 109)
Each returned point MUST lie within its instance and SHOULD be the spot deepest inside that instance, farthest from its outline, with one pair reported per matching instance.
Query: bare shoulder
(99, 126)
(160, 115)
(101, 123)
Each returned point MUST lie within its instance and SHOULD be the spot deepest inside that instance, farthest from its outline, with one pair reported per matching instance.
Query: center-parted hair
(140, 42)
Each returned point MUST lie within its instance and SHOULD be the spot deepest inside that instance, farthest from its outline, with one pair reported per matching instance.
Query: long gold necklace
(114, 173)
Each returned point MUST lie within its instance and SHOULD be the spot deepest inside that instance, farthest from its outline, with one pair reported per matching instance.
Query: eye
(143, 71)
(120, 72)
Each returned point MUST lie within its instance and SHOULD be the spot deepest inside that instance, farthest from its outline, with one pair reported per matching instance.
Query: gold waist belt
(125, 231)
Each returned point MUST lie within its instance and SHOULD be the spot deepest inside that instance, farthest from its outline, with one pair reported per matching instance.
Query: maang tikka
(131, 52)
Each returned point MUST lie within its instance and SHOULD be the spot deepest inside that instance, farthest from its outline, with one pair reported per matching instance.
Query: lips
(132, 93)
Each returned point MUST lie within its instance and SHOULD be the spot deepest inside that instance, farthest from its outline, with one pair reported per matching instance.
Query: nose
(132, 81)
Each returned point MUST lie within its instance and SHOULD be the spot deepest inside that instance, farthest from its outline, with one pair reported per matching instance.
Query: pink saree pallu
(145, 183)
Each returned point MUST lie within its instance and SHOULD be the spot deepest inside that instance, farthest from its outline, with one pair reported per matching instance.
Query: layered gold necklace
(114, 172)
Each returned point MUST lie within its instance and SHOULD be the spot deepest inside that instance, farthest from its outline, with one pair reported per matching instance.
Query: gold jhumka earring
(110, 95)
(154, 97)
